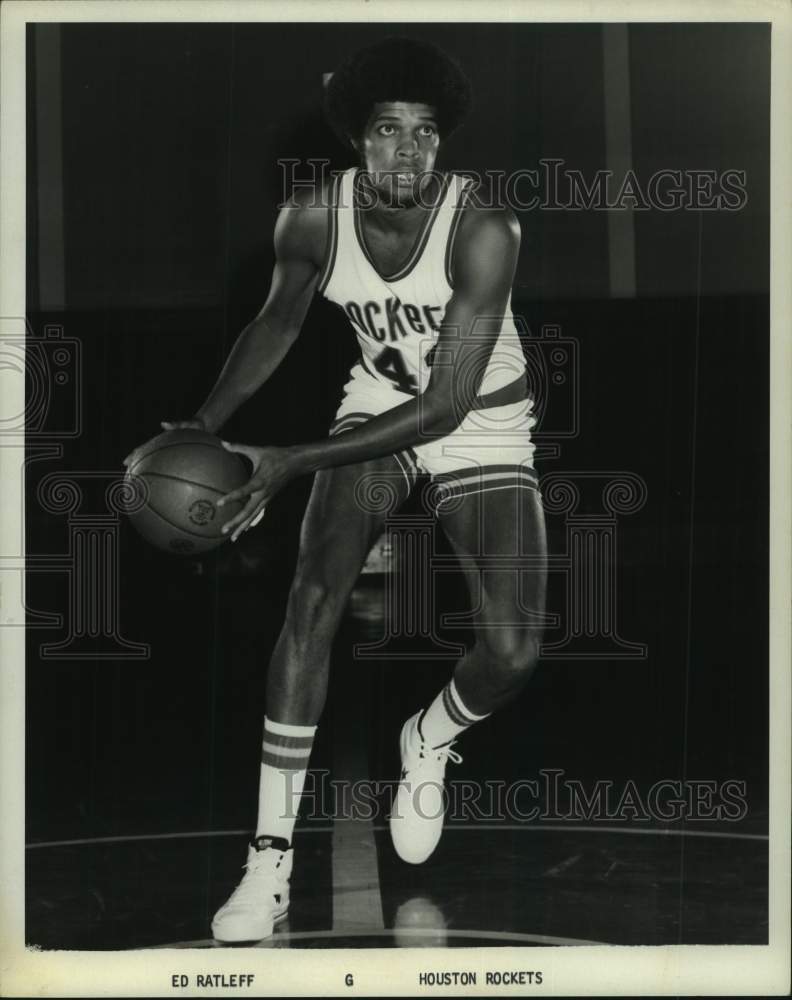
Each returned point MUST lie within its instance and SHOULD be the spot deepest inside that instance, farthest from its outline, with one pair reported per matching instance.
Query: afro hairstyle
(396, 69)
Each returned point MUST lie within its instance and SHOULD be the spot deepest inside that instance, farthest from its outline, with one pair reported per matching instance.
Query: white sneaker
(416, 820)
(262, 897)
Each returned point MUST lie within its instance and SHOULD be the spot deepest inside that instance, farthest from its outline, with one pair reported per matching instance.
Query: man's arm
(485, 261)
(299, 236)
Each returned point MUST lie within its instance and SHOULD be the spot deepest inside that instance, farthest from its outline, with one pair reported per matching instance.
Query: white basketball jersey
(397, 316)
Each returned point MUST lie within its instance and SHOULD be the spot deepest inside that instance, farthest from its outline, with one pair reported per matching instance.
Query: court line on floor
(417, 932)
(454, 827)
(354, 866)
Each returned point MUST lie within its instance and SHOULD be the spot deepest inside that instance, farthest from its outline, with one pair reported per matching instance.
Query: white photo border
(614, 970)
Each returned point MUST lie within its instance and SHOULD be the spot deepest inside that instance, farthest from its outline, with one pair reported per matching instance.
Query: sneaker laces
(446, 753)
(259, 878)
(428, 758)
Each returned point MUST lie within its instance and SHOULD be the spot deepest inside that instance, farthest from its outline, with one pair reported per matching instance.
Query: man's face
(399, 144)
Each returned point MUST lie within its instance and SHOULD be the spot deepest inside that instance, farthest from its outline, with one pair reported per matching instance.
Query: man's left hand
(273, 468)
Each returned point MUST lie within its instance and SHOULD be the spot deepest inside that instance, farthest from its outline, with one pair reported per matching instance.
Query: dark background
(169, 137)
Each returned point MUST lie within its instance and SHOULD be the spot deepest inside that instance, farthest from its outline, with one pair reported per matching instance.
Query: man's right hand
(195, 423)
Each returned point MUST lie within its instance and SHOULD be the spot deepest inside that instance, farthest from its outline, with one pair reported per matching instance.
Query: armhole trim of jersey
(332, 237)
(452, 232)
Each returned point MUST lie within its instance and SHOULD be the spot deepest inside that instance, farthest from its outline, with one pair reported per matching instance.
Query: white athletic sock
(284, 762)
(446, 717)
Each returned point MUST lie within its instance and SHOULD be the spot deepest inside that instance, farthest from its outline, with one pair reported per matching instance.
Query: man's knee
(511, 653)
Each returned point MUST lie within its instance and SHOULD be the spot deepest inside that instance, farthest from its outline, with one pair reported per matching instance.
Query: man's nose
(408, 148)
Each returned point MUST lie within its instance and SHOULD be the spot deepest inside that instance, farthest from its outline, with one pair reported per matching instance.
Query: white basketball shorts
(491, 449)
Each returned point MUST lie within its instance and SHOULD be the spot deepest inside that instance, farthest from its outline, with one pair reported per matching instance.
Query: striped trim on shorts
(482, 479)
(451, 485)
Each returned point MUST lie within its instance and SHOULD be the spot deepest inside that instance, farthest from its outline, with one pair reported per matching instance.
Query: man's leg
(499, 536)
(337, 534)
(338, 530)
(486, 531)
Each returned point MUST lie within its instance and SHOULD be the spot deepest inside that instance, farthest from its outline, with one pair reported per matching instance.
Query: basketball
(182, 474)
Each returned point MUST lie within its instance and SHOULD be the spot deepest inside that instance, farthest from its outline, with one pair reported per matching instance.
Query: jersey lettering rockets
(397, 316)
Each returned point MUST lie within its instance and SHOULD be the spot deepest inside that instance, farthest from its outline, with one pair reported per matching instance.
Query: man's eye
(385, 130)
(427, 130)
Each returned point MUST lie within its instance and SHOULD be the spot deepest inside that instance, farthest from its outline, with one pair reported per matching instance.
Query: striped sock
(284, 762)
(446, 717)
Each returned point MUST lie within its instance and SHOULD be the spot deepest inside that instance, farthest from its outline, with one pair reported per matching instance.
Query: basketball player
(423, 270)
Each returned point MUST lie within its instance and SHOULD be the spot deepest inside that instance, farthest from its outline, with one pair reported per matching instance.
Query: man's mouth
(400, 182)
